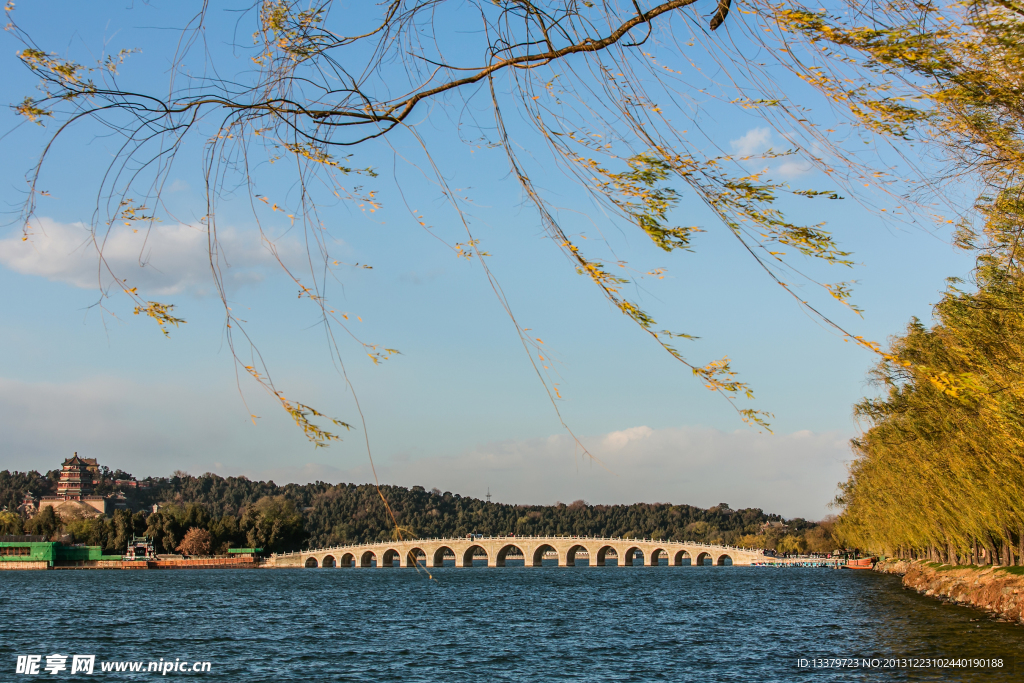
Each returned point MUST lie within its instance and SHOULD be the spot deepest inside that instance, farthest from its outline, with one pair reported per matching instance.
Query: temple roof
(75, 460)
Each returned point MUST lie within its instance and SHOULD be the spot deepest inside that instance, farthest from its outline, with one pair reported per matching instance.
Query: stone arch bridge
(531, 550)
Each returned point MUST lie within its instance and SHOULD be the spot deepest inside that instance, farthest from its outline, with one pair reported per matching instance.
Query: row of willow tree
(939, 472)
(238, 512)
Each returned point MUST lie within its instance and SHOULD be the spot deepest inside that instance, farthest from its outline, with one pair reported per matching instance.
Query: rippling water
(511, 624)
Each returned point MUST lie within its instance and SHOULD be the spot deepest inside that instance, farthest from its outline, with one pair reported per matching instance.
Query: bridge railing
(512, 540)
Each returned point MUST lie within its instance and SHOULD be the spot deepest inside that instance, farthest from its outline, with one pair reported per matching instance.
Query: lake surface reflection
(511, 624)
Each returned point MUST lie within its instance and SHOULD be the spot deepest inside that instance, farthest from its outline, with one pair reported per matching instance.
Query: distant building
(29, 505)
(774, 526)
(75, 489)
(75, 477)
(141, 548)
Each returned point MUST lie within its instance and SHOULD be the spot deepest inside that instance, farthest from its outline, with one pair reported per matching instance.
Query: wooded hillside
(239, 512)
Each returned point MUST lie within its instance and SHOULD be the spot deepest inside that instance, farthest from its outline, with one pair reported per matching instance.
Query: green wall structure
(79, 553)
(52, 552)
(45, 551)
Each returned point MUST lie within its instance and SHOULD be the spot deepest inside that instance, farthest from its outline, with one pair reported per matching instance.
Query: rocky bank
(992, 589)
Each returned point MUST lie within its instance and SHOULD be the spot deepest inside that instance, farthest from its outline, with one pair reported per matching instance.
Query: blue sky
(461, 408)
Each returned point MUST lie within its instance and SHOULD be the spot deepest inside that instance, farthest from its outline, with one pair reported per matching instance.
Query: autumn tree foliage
(196, 542)
(939, 472)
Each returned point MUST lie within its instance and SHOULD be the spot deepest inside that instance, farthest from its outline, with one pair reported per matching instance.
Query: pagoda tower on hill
(76, 477)
(75, 488)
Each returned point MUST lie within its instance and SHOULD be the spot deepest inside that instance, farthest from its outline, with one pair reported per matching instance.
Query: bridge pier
(411, 558)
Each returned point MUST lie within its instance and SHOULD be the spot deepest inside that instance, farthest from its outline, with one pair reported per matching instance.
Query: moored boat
(862, 563)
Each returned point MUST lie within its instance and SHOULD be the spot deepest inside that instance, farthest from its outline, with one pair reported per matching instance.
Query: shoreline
(992, 589)
(194, 563)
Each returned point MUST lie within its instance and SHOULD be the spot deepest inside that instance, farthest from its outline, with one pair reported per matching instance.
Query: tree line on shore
(236, 512)
(939, 472)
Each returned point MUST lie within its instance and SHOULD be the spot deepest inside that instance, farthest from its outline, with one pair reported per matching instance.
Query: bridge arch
(328, 561)
(347, 559)
(412, 558)
(499, 560)
(311, 562)
(367, 558)
(680, 557)
(470, 553)
(438, 559)
(656, 555)
(538, 554)
(626, 559)
(388, 557)
(602, 555)
(701, 557)
(723, 560)
(570, 555)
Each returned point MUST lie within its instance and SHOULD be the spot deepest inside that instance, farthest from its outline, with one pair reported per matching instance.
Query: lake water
(513, 624)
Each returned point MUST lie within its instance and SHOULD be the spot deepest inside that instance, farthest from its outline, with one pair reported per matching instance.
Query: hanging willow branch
(585, 76)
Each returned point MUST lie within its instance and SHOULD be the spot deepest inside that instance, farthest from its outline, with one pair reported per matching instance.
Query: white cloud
(168, 259)
(794, 168)
(618, 440)
(755, 141)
